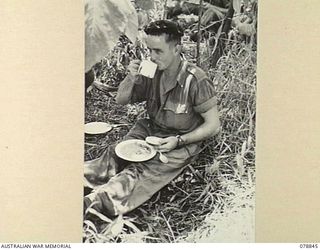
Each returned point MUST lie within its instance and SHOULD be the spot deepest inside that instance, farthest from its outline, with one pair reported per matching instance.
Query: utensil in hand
(163, 158)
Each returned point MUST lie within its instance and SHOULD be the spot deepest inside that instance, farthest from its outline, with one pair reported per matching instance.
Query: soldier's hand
(133, 67)
(167, 144)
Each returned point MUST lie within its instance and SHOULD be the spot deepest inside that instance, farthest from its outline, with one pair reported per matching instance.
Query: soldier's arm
(126, 86)
(207, 129)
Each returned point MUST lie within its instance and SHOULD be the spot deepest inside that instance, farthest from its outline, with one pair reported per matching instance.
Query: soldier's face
(162, 52)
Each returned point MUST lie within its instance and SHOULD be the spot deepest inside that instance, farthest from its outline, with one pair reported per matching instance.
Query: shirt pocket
(179, 102)
(176, 107)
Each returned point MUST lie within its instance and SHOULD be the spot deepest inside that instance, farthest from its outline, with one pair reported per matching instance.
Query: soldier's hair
(172, 30)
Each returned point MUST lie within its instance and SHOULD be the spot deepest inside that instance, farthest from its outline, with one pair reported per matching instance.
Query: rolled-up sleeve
(203, 95)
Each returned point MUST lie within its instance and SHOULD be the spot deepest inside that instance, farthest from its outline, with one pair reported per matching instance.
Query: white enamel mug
(147, 68)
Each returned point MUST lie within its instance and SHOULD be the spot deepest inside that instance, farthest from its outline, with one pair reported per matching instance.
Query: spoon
(163, 158)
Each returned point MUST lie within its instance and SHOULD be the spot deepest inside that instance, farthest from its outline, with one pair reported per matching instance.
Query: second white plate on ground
(94, 128)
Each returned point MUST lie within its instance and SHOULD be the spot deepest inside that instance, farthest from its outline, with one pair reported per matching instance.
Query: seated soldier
(213, 10)
(182, 108)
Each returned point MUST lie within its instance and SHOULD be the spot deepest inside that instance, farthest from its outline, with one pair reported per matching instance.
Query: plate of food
(135, 150)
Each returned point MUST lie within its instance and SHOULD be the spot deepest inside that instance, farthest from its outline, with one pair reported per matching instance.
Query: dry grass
(214, 196)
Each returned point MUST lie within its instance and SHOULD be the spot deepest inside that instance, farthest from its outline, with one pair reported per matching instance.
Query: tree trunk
(223, 36)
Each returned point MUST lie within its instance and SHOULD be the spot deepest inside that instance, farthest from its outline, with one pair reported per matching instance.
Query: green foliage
(246, 22)
(105, 21)
(236, 5)
(145, 5)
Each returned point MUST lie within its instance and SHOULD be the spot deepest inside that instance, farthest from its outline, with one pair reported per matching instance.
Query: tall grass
(215, 194)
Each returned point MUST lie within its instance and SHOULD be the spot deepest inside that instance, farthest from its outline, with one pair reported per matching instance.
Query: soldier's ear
(178, 49)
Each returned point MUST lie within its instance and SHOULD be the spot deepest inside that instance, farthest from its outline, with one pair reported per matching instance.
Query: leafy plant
(145, 5)
(105, 21)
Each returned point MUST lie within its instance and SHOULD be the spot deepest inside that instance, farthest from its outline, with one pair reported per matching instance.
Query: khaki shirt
(178, 107)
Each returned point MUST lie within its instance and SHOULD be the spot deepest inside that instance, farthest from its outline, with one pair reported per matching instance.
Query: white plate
(135, 150)
(93, 128)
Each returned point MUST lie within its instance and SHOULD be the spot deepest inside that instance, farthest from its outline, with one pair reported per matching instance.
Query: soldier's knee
(100, 202)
